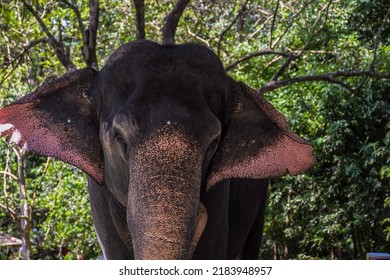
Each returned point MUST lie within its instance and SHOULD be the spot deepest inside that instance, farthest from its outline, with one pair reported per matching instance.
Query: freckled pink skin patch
(31, 124)
(285, 156)
(32, 135)
(287, 152)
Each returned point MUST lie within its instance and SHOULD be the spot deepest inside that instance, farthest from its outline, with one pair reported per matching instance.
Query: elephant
(178, 154)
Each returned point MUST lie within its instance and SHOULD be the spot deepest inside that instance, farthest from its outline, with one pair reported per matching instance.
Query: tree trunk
(140, 18)
(25, 215)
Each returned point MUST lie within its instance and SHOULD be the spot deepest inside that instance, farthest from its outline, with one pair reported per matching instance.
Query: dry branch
(9, 174)
(7, 240)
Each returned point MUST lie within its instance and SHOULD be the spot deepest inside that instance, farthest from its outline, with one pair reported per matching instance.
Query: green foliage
(61, 219)
(338, 210)
(67, 215)
(368, 17)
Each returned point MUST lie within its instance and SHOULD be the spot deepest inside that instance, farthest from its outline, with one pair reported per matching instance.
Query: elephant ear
(257, 142)
(57, 120)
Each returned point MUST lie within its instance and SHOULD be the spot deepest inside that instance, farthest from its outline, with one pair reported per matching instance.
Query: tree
(323, 63)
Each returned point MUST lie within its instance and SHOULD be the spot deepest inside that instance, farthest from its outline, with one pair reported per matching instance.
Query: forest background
(325, 64)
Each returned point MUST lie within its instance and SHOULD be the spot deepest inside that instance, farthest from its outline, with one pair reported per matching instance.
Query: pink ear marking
(4, 128)
(242, 156)
(13, 135)
(30, 124)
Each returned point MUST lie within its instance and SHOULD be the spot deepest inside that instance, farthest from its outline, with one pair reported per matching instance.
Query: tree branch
(273, 24)
(16, 60)
(7, 169)
(26, 48)
(88, 35)
(78, 16)
(313, 33)
(255, 54)
(140, 18)
(280, 72)
(89, 46)
(230, 26)
(328, 77)
(204, 41)
(7, 240)
(6, 173)
(291, 22)
(171, 22)
(25, 213)
(376, 40)
(376, 45)
(81, 27)
(58, 46)
(10, 211)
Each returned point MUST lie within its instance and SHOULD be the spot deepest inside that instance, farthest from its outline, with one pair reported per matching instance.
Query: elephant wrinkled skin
(178, 153)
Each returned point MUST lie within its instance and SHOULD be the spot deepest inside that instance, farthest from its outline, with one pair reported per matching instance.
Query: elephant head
(157, 126)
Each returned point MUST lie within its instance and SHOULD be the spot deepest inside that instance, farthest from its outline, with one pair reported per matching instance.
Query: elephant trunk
(163, 203)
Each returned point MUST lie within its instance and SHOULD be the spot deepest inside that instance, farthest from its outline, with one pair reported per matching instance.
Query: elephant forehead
(169, 143)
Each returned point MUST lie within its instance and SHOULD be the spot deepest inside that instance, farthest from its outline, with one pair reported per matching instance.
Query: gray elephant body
(165, 135)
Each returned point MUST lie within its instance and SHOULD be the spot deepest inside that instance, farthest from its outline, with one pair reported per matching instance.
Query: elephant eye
(120, 143)
(119, 138)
